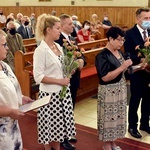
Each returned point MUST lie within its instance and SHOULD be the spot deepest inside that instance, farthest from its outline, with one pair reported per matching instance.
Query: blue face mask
(145, 24)
(74, 22)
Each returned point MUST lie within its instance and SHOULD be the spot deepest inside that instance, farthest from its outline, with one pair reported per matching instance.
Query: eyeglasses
(121, 40)
(5, 45)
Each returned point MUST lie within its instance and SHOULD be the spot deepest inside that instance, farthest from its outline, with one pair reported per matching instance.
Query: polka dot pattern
(56, 120)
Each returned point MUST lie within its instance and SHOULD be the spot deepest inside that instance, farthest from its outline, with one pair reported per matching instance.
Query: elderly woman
(112, 91)
(10, 99)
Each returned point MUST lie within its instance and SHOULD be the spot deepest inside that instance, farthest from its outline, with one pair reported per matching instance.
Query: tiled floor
(86, 114)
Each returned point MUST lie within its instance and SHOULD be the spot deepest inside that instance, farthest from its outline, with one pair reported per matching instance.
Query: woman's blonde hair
(2, 34)
(43, 22)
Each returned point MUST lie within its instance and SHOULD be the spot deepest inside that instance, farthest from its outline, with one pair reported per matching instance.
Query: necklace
(54, 48)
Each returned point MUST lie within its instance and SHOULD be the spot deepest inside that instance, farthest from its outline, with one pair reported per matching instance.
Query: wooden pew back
(30, 47)
(90, 57)
(23, 71)
(29, 41)
(2, 25)
(93, 44)
(30, 44)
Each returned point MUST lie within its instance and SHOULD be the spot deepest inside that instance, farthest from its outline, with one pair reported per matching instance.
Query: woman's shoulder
(80, 32)
(105, 53)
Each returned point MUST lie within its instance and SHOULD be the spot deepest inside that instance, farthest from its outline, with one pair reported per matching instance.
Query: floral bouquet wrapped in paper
(71, 54)
(145, 52)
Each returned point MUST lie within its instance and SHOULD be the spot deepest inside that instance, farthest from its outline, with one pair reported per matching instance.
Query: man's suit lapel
(64, 38)
(138, 34)
(148, 30)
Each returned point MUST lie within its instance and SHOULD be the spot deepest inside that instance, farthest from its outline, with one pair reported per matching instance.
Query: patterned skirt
(112, 101)
(10, 137)
(56, 120)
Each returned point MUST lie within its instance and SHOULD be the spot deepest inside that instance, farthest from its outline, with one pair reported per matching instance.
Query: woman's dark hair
(114, 32)
(86, 22)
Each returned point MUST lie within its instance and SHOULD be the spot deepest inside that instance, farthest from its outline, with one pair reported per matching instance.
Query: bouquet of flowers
(145, 52)
(70, 64)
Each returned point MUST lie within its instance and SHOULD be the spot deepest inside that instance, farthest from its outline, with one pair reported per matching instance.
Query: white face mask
(145, 24)
(86, 27)
(106, 18)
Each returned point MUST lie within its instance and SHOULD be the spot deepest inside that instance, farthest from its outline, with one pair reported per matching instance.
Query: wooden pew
(122, 26)
(103, 32)
(23, 72)
(89, 79)
(2, 25)
(93, 44)
(30, 44)
(29, 41)
(30, 47)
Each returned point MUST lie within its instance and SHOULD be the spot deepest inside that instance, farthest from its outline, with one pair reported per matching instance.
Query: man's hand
(81, 63)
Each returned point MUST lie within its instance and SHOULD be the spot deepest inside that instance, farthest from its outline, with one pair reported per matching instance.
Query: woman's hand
(126, 64)
(26, 99)
(64, 81)
(16, 114)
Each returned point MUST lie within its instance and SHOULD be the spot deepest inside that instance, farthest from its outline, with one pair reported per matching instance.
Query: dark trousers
(73, 91)
(74, 85)
(140, 92)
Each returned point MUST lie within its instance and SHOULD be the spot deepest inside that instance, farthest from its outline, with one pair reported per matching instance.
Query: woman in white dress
(55, 120)
(10, 99)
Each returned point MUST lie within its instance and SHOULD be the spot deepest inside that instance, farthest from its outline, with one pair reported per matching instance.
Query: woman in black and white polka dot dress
(56, 120)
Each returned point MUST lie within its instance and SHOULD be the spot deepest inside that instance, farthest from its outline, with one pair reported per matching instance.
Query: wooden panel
(117, 15)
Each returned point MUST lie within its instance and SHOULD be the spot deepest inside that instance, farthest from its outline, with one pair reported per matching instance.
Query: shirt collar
(66, 36)
(140, 29)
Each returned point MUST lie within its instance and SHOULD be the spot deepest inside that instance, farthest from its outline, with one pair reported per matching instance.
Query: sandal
(116, 148)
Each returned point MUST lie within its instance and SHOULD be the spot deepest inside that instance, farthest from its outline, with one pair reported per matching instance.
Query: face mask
(26, 23)
(86, 27)
(145, 24)
(106, 18)
(13, 31)
(74, 22)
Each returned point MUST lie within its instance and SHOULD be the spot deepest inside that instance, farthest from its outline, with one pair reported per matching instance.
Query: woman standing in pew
(55, 120)
(112, 90)
(10, 99)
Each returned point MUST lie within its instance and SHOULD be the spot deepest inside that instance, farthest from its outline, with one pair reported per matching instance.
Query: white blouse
(10, 92)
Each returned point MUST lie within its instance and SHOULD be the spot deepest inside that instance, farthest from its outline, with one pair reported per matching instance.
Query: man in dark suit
(66, 30)
(25, 30)
(139, 81)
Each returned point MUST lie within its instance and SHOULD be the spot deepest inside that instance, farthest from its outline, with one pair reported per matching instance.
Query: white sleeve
(38, 64)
